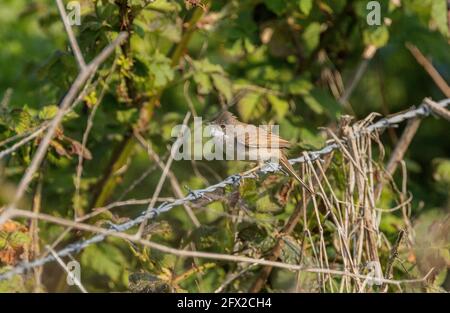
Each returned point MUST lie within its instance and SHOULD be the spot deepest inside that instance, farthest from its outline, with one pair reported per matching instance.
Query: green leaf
(440, 278)
(377, 36)
(223, 85)
(212, 238)
(248, 45)
(127, 116)
(48, 112)
(311, 36)
(442, 171)
(277, 6)
(280, 106)
(439, 15)
(305, 6)
(164, 6)
(264, 204)
(247, 188)
(247, 104)
(105, 259)
(251, 232)
(21, 120)
(18, 239)
(16, 283)
(329, 104)
(206, 66)
(203, 82)
(139, 30)
(3, 239)
(311, 140)
(291, 251)
(147, 283)
(300, 87)
(313, 104)
(161, 70)
(162, 73)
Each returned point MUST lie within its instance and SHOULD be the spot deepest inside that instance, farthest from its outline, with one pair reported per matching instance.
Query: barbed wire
(391, 121)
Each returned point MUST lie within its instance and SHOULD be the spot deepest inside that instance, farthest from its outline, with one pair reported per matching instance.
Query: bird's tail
(287, 166)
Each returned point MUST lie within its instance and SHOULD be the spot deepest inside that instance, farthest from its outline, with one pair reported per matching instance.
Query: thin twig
(392, 257)
(431, 70)
(286, 231)
(399, 151)
(97, 211)
(102, 232)
(64, 266)
(73, 42)
(34, 231)
(233, 277)
(6, 98)
(20, 143)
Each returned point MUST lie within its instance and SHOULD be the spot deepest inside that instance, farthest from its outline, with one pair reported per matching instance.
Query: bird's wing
(252, 136)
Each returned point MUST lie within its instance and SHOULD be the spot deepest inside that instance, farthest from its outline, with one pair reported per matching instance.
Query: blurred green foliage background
(284, 62)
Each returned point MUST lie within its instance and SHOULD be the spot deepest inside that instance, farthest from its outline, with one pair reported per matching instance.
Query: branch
(68, 99)
(64, 266)
(437, 109)
(431, 70)
(73, 42)
(23, 141)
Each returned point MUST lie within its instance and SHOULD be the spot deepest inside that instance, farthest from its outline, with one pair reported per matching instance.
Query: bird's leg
(252, 170)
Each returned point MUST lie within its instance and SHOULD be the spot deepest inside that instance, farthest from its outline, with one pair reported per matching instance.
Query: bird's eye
(222, 126)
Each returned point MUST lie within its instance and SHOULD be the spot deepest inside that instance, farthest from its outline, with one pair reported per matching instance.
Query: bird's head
(225, 118)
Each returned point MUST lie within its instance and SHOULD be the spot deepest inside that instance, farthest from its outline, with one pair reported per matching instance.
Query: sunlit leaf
(247, 105)
(280, 106)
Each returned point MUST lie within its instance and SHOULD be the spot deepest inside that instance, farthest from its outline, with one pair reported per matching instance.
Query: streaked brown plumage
(258, 140)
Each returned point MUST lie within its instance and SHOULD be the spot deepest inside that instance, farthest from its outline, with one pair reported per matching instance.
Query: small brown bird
(259, 144)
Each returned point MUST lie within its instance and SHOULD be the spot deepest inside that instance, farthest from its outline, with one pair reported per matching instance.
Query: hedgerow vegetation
(315, 68)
